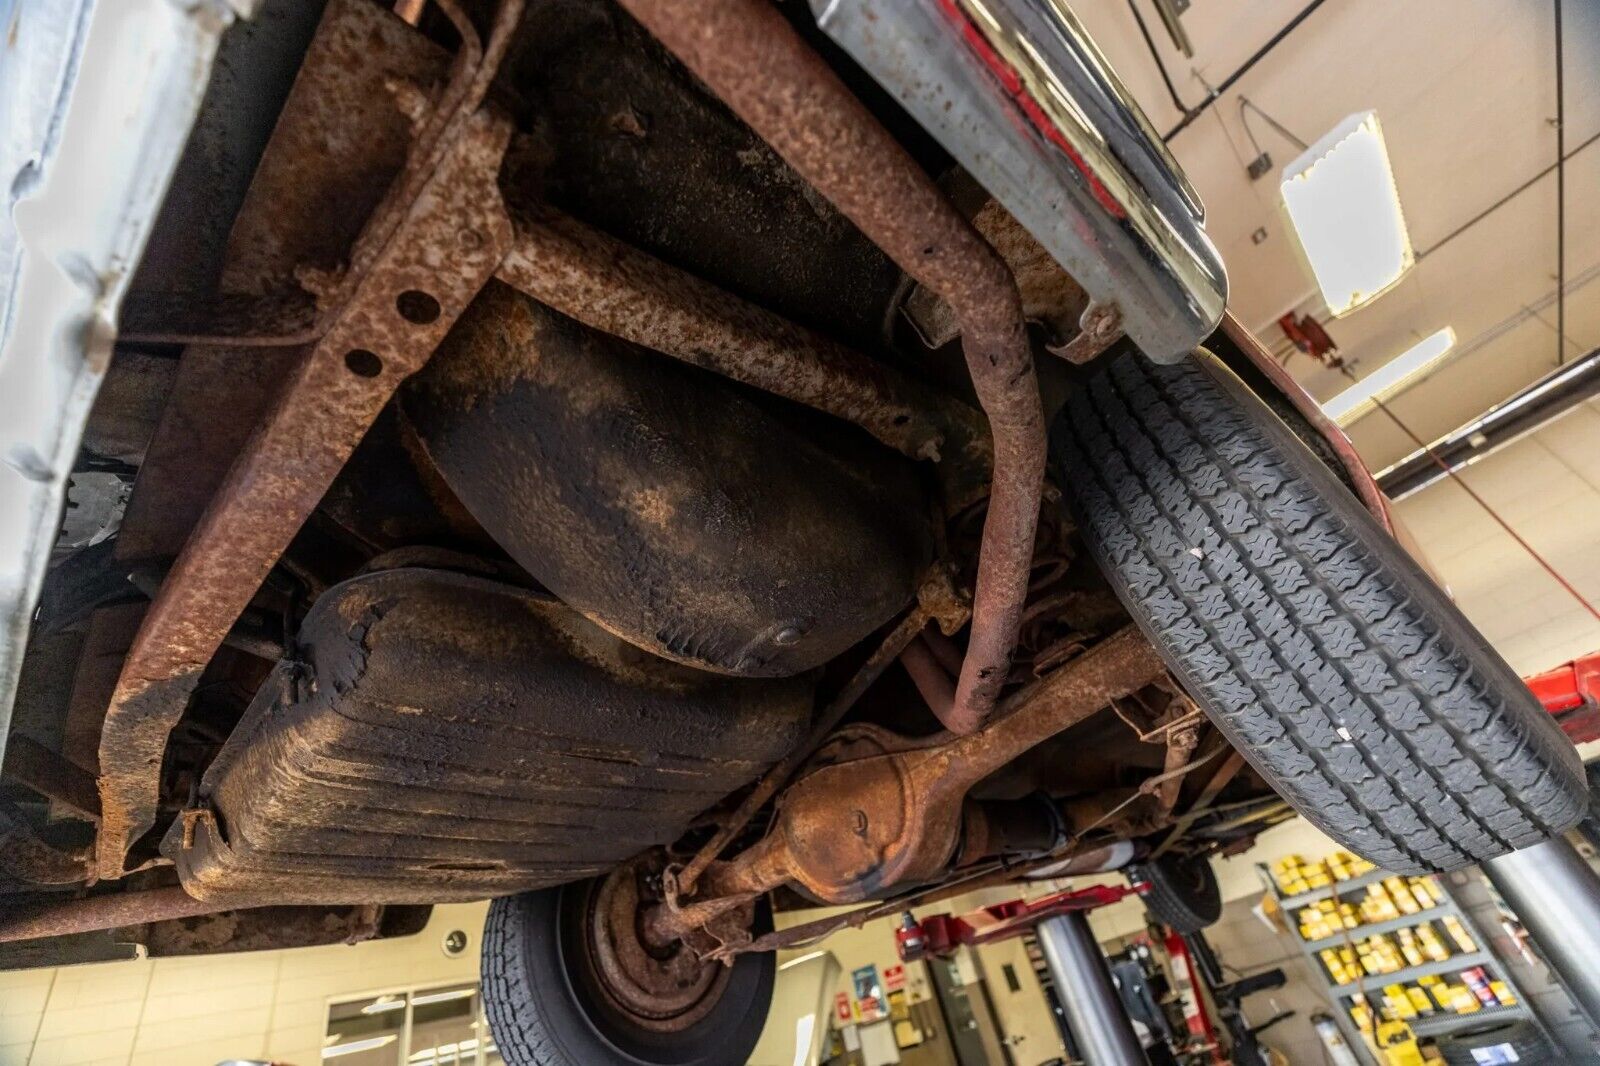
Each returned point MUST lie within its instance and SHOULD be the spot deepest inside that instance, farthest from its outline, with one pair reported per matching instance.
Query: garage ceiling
(1465, 90)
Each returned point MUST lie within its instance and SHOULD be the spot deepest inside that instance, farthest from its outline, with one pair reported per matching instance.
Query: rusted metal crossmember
(428, 249)
(607, 285)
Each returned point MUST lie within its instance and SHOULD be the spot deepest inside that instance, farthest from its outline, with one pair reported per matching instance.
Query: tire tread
(1318, 647)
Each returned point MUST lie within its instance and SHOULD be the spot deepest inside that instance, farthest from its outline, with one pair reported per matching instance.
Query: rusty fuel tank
(698, 519)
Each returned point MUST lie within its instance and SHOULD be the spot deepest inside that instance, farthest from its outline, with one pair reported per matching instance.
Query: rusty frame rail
(431, 245)
(751, 58)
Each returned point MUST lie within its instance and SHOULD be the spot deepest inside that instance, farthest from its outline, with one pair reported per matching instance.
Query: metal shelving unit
(1317, 895)
(1434, 1025)
(1405, 921)
(1454, 964)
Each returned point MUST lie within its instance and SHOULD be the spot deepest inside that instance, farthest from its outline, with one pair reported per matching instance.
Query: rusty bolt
(1103, 320)
(858, 820)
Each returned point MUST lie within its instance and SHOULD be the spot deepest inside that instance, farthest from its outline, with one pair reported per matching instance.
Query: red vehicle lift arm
(1571, 692)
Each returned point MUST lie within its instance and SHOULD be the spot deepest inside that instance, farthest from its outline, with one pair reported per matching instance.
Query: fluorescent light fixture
(1392, 377)
(355, 1047)
(803, 959)
(442, 997)
(384, 1003)
(1342, 201)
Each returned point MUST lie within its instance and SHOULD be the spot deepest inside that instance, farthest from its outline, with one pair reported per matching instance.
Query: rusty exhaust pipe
(95, 913)
(752, 59)
(928, 674)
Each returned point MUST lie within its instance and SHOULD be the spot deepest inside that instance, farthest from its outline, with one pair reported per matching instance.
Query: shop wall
(873, 944)
(1026, 1020)
(1247, 945)
(802, 1006)
(1024, 1015)
(199, 1011)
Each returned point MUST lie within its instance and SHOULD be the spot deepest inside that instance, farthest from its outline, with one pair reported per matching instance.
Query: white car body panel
(99, 97)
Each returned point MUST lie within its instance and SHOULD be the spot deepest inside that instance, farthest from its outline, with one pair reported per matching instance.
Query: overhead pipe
(1213, 95)
(1534, 407)
(750, 57)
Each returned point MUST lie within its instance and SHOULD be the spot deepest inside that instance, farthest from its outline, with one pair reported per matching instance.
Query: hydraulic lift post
(1095, 1013)
(1556, 894)
(1227, 995)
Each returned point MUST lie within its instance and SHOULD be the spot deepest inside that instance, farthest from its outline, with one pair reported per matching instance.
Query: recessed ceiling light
(1345, 208)
(1392, 377)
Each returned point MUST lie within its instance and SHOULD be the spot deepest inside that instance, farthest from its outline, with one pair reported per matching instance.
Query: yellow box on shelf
(1459, 934)
(1399, 1004)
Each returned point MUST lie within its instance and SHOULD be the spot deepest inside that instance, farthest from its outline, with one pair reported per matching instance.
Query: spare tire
(1589, 828)
(552, 1000)
(1311, 639)
(1183, 892)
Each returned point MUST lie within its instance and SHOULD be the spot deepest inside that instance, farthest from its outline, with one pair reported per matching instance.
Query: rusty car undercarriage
(403, 220)
(599, 443)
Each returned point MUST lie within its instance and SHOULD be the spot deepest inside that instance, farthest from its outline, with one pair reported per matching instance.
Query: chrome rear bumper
(1017, 92)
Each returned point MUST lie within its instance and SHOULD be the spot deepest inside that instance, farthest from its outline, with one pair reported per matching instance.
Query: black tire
(1183, 893)
(1589, 827)
(545, 1009)
(1524, 1039)
(1313, 641)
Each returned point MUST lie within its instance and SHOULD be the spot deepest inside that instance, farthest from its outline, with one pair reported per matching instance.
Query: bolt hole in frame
(417, 307)
(363, 363)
